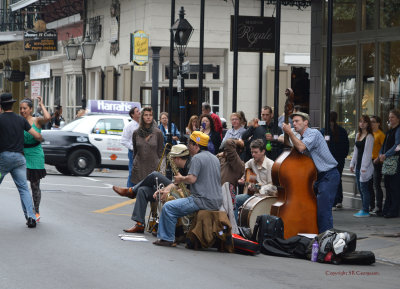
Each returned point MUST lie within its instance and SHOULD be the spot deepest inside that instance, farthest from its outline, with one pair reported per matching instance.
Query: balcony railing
(14, 21)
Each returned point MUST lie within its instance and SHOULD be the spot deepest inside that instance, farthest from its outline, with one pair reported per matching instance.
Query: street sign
(35, 89)
(185, 67)
(140, 67)
(179, 83)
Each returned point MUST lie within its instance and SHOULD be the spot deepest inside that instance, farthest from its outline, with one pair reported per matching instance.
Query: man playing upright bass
(327, 183)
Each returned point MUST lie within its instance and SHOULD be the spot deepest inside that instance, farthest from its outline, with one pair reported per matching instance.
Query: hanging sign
(40, 41)
(139, 47)
(255, 34)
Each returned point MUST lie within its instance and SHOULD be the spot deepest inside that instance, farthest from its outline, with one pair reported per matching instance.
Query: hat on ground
(6, 98)
(200, 138)
(179, 150)
(302, 114)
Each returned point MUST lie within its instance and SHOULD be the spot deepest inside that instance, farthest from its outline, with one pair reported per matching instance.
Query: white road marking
(90, 179)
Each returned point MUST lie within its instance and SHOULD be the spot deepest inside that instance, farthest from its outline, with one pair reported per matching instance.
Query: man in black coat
(266, 132)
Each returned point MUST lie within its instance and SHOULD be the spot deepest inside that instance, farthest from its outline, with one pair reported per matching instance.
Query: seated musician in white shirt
(261, 166)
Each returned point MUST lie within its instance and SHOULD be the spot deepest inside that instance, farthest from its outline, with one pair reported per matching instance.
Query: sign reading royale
(40, 41)
(255, 34)
(110, 106)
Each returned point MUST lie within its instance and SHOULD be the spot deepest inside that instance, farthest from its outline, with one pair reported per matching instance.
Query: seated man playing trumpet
(144, 190)
(204, 178)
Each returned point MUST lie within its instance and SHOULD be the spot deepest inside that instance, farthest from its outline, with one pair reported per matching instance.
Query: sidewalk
(376, 234)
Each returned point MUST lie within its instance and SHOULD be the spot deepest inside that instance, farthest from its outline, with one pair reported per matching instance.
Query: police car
(86, 143)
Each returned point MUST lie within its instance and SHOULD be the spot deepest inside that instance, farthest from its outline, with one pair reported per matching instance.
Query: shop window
(110, 126)
(389, 73)
(368, 79)
(344, 16)
(344, 88)
(368, 15)
(389, 13)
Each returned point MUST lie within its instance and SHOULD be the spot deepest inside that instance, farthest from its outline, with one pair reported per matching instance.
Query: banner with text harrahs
(111, 106)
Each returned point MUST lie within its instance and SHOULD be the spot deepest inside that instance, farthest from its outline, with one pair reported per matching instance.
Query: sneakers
(37, 217)
(339, 206)
(31, 223)
(361, 214)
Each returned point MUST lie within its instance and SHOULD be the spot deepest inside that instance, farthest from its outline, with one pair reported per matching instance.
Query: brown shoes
(164, 243)
(135, 229)
(124, 192)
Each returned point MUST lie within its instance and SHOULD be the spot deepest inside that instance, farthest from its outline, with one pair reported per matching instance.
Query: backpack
(335, 243)
(267, 227)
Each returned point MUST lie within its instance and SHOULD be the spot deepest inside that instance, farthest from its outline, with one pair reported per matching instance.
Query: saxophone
(183, 192)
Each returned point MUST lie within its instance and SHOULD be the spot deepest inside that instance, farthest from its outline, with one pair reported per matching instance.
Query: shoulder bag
(389, 167)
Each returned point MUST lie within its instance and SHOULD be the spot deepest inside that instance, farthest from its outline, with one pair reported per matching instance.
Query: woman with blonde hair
(237, 128)
(193, 124)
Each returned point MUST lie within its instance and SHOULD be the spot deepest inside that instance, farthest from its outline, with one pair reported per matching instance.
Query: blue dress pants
(326, 188)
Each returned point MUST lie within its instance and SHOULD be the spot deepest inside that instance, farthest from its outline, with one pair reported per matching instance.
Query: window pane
(57, 90)
(389, 71)
(78, 91)
(389, 13)
(344, 16)
(344, 88)
(215, 97)
(368, 80)
(368, 18)
(114, 126)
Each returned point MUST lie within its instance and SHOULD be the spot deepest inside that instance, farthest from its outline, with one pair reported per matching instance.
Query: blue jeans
(15, 164)
(170, 213)
(326, 188)
(240, 200)
(363, 188)
(129, 184)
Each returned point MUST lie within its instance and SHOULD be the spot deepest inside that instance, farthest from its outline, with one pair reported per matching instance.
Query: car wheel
(63, 170)
(81, 162)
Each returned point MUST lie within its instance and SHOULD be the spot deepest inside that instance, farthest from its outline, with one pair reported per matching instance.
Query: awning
(11, 36)
(21, 4)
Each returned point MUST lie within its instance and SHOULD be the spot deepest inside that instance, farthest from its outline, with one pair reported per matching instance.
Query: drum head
(257, 206)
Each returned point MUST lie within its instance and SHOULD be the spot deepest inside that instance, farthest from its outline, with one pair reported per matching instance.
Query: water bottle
(314, 251)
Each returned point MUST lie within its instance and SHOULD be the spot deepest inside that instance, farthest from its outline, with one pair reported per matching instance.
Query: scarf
(146, 131)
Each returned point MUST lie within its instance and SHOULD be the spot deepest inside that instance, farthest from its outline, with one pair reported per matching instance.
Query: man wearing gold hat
(144, 190)
(204, 178)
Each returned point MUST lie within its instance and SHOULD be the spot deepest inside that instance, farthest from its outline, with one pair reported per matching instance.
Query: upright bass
(294, 175)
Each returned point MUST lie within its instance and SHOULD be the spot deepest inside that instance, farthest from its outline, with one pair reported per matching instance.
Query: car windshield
(73, 124)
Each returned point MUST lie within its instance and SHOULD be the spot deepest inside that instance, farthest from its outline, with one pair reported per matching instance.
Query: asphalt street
(76, 245)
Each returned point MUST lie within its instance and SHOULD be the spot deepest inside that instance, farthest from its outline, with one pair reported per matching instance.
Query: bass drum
(253, 207)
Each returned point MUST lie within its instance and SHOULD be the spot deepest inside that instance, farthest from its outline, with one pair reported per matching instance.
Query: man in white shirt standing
(126, 139)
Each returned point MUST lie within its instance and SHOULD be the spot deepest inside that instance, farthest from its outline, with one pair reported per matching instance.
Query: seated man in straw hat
(144, 190)
(204, 177)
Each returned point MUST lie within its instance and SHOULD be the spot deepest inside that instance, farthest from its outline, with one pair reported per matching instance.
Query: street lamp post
(182, 31)
(87, 48)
